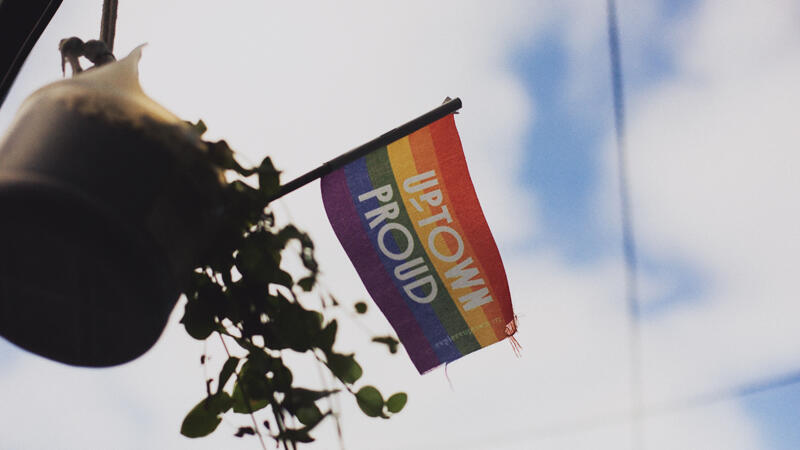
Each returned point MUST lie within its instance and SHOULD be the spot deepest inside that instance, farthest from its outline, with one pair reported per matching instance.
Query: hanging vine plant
(241, 294)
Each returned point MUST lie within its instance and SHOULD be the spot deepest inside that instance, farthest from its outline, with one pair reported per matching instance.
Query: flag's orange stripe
(454, 172)
(404, 165)
(425, 152)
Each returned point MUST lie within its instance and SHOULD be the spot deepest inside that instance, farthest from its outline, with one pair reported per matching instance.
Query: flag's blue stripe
(358, 181)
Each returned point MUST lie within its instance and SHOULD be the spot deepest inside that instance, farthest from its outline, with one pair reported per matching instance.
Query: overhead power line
(628, 240)
(539, 433)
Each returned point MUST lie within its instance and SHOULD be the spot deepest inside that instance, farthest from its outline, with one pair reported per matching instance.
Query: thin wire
(531, 434)
(742, 390)
(628, 241)
(335, 411)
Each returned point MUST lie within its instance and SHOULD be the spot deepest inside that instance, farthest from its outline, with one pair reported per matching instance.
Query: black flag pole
(450, 106)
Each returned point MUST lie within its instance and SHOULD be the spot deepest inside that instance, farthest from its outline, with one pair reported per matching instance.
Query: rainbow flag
(407, 215)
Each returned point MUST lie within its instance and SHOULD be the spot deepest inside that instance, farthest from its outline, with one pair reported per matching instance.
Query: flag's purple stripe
(348, 228)
(359, 182)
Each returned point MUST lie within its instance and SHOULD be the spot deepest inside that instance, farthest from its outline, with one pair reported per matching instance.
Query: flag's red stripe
(453, 167)
(425, 155)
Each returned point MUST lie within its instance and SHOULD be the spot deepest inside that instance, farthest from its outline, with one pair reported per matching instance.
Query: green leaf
(256, 387)
(222, 155)
(370, 401)
(396, 402)
(361, 307)
(268, 177)
(300, 402)
(344, 367)
(307, 283)
(198, 424)
(288, 233)
(309, 415)
(295, 435)
(198, 325)
(204, 418)
(298, 328)
(390, 341)
(283, 278)
(245, 430)
(281, 377)
(302, 396)
(220, 403)
(259, 259)
(307, 254)
(203, 305)
(227, 370)
(239, 406)
(327, 337)
(253, 384)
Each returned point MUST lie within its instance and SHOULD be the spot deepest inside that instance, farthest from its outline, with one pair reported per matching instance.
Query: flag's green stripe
(380, 172)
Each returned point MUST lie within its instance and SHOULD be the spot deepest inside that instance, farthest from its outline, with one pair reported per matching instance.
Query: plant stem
(276, 411)
(246, 399)
(335, 414)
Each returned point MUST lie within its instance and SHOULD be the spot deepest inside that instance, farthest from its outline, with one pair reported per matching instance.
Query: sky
(711, 90)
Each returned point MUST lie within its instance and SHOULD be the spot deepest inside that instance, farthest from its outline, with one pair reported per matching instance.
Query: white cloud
(712, 153)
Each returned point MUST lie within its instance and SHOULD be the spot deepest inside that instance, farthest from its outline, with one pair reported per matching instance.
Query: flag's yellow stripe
(426, 156)
(403, 167)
